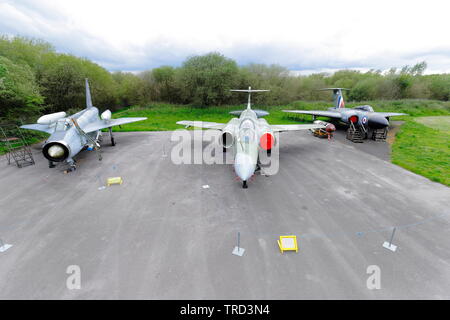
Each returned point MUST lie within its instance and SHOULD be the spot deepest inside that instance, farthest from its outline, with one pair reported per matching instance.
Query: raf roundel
(364, 120)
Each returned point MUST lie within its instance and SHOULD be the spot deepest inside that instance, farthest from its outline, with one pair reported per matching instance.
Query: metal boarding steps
(13, 141)
(380, 134)
(355, 134)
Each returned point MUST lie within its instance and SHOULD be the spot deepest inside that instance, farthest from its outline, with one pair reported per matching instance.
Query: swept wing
(390, 114)
(39, 127)
(295, 127)
(202, 124)
(320, 113)
(102, 124)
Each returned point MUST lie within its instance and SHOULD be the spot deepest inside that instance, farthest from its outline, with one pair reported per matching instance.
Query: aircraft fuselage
(66, 141)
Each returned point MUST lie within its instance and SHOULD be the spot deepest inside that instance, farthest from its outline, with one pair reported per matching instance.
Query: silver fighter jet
(248, 134)
(362, 117)
(71, 134)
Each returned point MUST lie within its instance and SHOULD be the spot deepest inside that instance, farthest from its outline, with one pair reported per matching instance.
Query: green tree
(207, 80)
(19, 94)
(165, 85)
(62, 78)
(364, 90)
(129, 89)
(23, 50)
(439, 86)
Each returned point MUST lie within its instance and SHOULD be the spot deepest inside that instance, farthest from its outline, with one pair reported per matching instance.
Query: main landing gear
(113, 142)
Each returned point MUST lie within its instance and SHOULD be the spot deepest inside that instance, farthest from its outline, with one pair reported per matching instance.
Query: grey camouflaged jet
(82, 130)
(362, 117)
(247, 134)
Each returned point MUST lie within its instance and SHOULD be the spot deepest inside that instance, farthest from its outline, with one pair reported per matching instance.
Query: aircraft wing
(390, 114)
(295, 127)
(202, 124)
(39, 127)
(102, 124)
(320, 113)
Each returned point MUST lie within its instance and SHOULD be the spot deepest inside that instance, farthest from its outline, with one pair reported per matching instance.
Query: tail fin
(249, 94)
(338, 97)
(88, 95)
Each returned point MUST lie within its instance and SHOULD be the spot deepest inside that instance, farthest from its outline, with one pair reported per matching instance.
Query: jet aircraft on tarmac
(69, 135)
(247, 134)
(361, 117)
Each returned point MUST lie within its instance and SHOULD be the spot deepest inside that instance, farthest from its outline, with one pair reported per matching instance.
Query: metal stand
(355, 134)
(379, 134)
(17, 148)
(389, 245)
(238, 251)
(4, 246)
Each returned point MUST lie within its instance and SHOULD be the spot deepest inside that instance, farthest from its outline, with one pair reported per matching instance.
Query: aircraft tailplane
(250, 90)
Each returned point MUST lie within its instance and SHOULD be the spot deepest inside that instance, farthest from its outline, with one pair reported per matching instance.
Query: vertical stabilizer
(339, 99)
(88, 95)
(249, 103)
(337, 96)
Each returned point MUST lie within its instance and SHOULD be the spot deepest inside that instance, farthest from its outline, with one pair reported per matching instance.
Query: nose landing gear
(72, 166)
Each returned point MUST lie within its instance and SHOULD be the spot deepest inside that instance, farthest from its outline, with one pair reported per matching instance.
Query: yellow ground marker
(288, 243)
(114, 180)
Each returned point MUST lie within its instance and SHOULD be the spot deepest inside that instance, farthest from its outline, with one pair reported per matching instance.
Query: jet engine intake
(353, 118)
(267, 141)
(56, 151)
(226, 139)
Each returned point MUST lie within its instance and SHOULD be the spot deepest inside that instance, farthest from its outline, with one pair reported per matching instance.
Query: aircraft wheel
(244, 184)
(224, 149)
(113, 142)
(269, 152)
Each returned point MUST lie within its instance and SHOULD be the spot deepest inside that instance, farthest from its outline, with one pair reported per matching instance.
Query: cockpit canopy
(366, 108)
(62, 125)
(247, 131)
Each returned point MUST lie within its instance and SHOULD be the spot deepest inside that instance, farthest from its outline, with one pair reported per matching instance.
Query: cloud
(137, 35)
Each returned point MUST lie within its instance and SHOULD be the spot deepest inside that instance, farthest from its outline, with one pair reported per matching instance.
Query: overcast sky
(306, 36)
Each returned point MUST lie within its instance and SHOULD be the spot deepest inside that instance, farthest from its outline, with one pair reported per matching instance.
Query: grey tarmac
(160, 235)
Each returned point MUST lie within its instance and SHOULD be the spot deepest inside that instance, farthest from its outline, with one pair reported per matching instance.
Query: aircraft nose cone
(55, 151)
(378, 122)
(243, 166)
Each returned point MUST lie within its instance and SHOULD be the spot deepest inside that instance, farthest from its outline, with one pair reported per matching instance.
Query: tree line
(35, 79)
